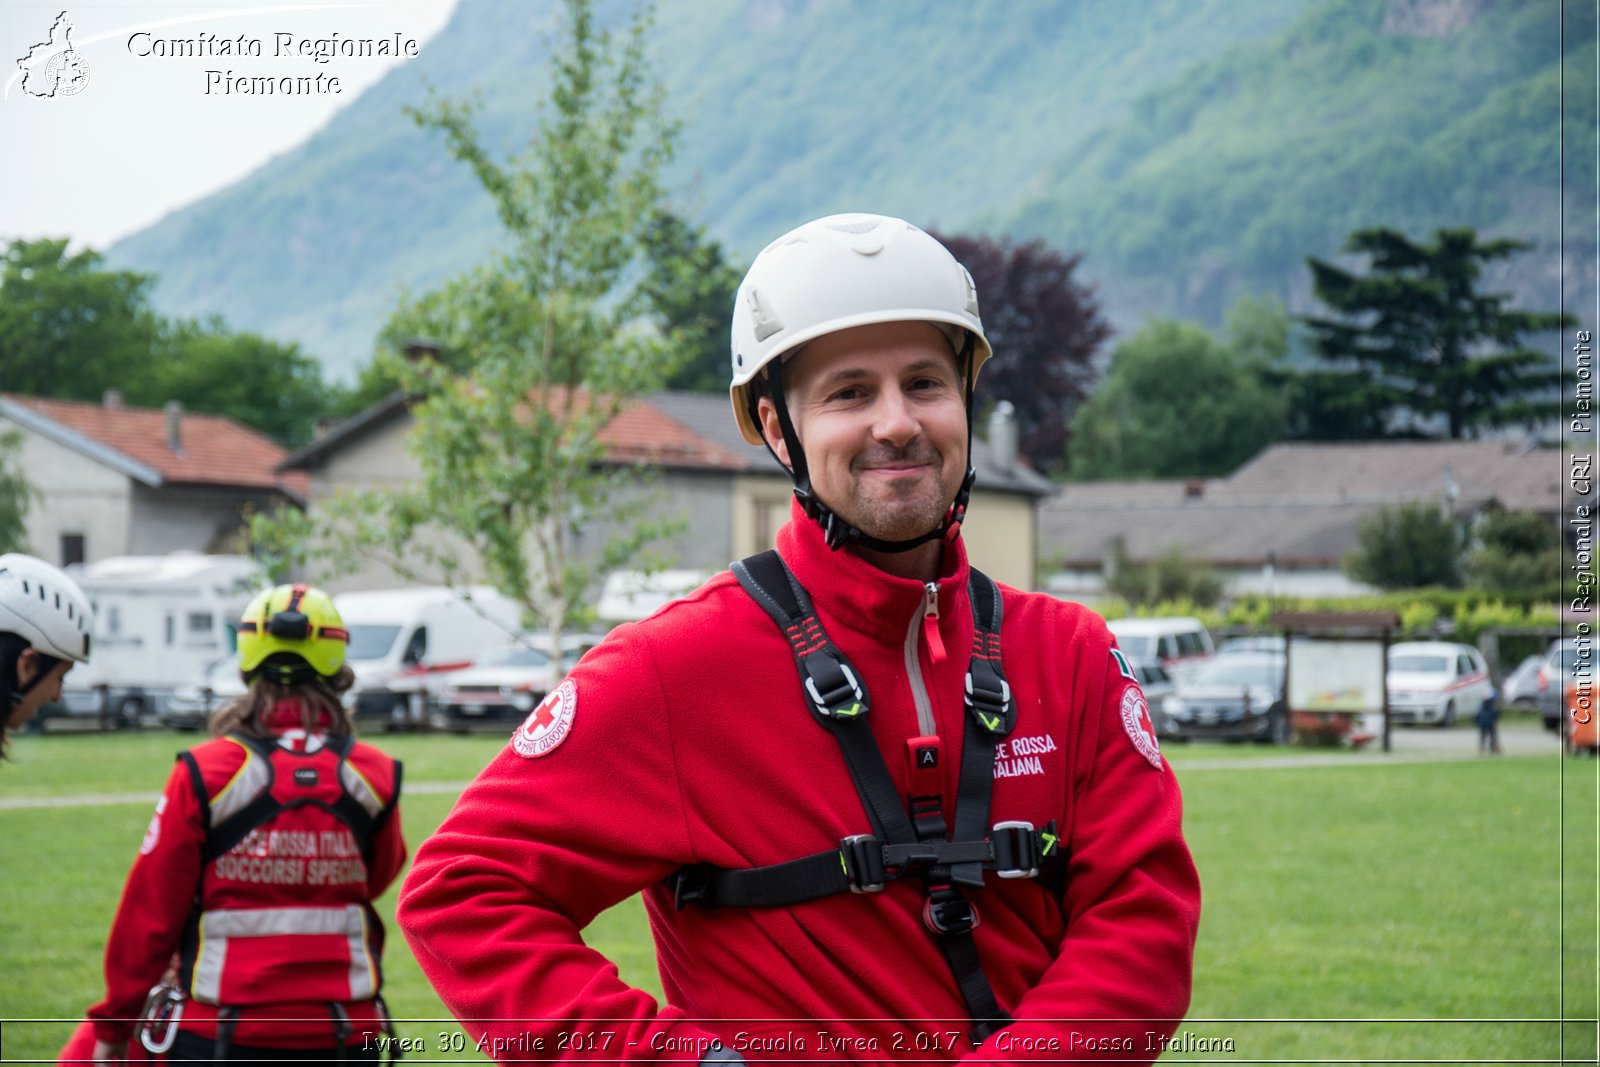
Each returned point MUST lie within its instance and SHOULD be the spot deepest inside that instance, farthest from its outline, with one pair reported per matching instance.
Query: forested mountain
(1192, 150)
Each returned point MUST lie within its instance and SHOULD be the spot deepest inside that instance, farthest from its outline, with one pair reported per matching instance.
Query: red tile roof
(643, 433)
(213, 449)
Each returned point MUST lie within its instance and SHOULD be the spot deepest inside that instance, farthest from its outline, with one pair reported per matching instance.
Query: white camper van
(159, 622)
(403, 642)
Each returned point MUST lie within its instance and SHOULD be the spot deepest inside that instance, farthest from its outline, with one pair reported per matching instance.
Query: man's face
(29, 666)
(881, 415)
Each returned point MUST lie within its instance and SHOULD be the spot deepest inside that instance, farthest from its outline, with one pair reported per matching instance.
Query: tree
(1516, 554)
(691, 289)
(16, 495)
(1413, 346)
(270, 385)
(68, 327)
(549, 335)
(1171, 577)
(1407, 547)
(1176, 402)
(1045, 327)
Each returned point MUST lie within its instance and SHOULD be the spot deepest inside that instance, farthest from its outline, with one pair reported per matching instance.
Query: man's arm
(1121, 981)
(546, 838)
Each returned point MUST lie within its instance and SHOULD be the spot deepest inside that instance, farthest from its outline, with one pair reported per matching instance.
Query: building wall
(79, 496)
(1002, 538)
(213, 521)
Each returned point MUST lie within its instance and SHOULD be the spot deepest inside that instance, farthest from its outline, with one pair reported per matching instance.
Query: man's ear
(772, 429)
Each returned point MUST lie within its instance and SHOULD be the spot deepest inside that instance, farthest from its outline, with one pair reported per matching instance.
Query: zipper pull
(930, 621)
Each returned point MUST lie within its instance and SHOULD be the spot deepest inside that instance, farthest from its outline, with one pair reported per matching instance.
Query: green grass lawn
(1440, 902)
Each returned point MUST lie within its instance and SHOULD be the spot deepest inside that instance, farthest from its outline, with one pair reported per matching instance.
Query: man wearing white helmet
(45, 622)
(879, 807)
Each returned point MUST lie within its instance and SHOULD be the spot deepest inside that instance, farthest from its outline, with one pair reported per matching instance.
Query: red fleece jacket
(685, 739)
(169, 874)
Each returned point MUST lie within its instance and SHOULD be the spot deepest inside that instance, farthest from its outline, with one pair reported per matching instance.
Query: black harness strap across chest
(900, 844)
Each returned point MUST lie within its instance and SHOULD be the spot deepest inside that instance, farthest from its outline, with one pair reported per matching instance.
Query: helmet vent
(864, 226)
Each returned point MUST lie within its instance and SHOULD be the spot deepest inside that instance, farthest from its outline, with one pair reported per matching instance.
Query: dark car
(1235, 697)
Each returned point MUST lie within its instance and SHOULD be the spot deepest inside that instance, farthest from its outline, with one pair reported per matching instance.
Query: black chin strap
(836, 532)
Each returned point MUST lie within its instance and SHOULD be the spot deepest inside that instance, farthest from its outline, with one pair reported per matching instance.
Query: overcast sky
(142, 136)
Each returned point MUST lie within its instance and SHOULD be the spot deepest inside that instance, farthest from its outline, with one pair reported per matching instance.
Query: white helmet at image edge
(839, 272)
(40, 604)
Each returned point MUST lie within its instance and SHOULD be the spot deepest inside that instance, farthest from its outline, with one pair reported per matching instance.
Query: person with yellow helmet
(260, 865)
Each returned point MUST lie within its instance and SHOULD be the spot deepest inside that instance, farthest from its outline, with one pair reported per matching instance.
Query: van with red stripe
(404, 643)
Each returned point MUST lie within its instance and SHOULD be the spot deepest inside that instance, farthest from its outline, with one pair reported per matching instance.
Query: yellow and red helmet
(296, 619)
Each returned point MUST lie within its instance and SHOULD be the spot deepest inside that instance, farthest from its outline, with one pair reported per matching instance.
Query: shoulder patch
(1136, 721)
(152, 834)
(548, 724)
(1124, 668)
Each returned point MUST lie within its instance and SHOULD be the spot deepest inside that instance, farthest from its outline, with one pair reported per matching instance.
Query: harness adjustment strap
(947, 913)
(863, 860)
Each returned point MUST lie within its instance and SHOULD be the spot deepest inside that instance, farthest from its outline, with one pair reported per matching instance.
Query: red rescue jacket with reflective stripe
(306, 872)
(284, 909)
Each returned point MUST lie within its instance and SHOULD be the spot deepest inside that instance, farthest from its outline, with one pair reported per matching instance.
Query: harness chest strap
(839, 702)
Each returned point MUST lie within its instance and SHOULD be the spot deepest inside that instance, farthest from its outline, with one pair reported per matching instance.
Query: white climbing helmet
(844, 271)
(40, 604)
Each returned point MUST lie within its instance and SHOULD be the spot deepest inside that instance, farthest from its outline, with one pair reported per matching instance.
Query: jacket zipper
(924, 621)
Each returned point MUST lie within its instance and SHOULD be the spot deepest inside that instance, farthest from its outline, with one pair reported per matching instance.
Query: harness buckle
(1017, 853)
(690, 885)
(946, 912)
(834, 690)
(861, 856)
(988, 697)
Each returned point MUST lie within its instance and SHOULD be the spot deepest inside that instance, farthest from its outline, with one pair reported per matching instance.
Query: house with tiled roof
(730, 496)
(115, 480)
(1284, 522)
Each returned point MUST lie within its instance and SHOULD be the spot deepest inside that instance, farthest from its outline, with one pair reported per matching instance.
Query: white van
(1179, 643)
(160, 621)
(403, 642)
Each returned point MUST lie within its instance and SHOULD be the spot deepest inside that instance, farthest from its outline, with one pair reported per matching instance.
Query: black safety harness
(902, 842)
(224, 835)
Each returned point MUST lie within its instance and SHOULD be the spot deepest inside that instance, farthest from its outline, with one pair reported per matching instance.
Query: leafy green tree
(550, 336)
(68, 327)
(1413, 344)
(1516, 554)
(1407, 547)
(1046, 329)
(691, 288)
(1173, 576)
(16, 495)
(1176, 402)
(266, 384)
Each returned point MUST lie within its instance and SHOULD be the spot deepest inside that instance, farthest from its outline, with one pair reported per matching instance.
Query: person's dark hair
(11, 649)
(319, 697)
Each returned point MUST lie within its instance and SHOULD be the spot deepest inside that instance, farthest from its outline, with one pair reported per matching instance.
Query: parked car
(1253, 643)
(1521, 687)
(190, 705)
(1157, 685)
(1436, 681)
(1178, 644)
(1559, 666)
(504, 683)
(1234, 697)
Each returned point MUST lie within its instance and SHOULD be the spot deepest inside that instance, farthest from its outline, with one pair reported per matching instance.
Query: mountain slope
(1191, 149)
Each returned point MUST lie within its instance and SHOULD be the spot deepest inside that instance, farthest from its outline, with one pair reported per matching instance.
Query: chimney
(174, 412)
(1003, 436)
(1194, 488)
(111, 400)
(420, 349)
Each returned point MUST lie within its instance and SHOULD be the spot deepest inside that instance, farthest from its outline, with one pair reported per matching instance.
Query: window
(1189, 644)
(198, 629)
(417, 647)
(73, 549)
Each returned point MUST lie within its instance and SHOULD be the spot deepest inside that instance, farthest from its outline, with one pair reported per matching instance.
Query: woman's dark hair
(319, 697)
